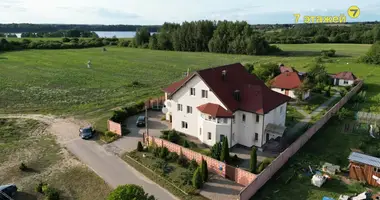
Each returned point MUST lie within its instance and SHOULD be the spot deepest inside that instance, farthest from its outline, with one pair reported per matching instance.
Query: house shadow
(3, 58)
(24, 196)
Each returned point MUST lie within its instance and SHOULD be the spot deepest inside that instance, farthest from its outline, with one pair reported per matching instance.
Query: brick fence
(114, 127)
(270, 170)
(155, 101)
(238, 175)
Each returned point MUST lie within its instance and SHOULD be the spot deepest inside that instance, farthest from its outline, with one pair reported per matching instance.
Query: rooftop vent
(224, 74)
(237, 95)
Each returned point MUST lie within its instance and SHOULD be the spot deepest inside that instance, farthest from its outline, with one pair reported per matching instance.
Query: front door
(267, 138)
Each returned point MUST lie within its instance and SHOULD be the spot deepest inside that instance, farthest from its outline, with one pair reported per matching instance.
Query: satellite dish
(164, 110)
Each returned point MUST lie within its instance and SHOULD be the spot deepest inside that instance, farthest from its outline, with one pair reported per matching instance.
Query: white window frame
(204, 94)
(179, 107)
(345, 82)
(184, 125)
(189, 109)
(192, 91)
(225, 120)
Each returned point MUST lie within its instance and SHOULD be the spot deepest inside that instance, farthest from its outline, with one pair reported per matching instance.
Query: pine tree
(204, 170)
(139, 146)
(197, 179)
(253, 161)
(225, 155)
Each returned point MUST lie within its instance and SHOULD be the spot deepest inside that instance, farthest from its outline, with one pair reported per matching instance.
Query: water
(108, 34)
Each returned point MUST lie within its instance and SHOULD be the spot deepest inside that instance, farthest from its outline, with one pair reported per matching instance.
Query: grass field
(26, 141)
(58, 81)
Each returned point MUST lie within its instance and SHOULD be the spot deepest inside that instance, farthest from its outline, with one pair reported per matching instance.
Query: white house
(344, 78)
(226, 101)
(287, 82)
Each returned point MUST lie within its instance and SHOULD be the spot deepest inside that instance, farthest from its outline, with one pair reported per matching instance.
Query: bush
(129, 191)
(65, 39)
(197, 179)
(44, 188)
(204, 171)
(173, 156)
(253, 161)
(373, 54)
(39, 186)
(164, 153)
(328, 93)
(51, 194)
(182, 160)
(109, 134)
(140, 146)
(173, 136)
(186, 144)
(193, 165)
(23, 167)
(216, 150)
(264, 164)
(157, 151)
(328, 53)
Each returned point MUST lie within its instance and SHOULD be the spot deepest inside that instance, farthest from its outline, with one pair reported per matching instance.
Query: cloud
(107, 13)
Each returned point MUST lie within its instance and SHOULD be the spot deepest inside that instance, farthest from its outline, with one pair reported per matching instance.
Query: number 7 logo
(353, 12)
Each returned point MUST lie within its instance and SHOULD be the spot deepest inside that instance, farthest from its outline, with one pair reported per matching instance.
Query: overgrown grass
(292, 116)
(314, 102)
(108, 136)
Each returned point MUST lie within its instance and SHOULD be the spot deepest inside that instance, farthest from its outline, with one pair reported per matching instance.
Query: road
(107, 165)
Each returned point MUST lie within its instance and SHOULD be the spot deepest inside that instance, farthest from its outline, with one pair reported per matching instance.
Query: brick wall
(271, 169)
(114, 127)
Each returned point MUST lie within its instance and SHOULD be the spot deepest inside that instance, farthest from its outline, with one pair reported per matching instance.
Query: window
(243, 117)
(257, 118)
(225, 120)
(375, 169)
(233, 119)
(256, 136)
(184, 124)
(192, 91)
(179, 107)
(204, 93)
(282, 90)
(281, 110)
(345, 82)
(209, 135)
(189, 109)
(200, 131)
(219, 120)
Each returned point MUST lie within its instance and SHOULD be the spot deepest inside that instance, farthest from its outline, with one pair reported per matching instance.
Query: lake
(108, 34)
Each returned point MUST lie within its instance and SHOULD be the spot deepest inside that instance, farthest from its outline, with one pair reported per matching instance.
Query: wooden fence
(270, 170)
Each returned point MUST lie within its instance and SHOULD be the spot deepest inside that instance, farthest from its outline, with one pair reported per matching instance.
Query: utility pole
(146, 123)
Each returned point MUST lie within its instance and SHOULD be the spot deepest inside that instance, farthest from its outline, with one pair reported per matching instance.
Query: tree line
(321, 33)
(24, 27)
(65, 33)
(205, 36)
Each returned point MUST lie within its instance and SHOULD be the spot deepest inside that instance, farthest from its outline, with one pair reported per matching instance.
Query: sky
(156, 12)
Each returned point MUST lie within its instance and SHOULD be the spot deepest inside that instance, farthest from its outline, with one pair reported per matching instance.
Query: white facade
(342, 82)
(245, 129)
(291, 93)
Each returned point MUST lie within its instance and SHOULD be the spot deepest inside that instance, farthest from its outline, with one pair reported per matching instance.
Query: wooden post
(146, 122)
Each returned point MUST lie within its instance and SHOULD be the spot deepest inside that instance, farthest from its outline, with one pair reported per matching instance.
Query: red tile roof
(345, 76)
(255, 96)
(176, 85)
(284, 69)
(214, 110)
(287, 80)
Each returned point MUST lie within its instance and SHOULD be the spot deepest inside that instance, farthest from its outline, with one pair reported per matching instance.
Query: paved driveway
(129, 142)
(113, 169)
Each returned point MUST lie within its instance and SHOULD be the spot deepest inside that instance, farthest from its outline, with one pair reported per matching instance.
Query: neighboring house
(364, 168)
(287, 82)
(226, 101)
(344, 78)
(284, 69)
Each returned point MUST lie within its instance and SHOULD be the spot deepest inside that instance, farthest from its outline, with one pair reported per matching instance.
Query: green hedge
(121, 115)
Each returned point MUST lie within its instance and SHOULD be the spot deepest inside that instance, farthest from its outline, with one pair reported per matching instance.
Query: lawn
(58, 81)
(331, 144)
(314, 102)
(292, 116)
(26, 141)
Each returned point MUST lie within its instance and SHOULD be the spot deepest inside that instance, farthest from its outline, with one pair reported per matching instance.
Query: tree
(253, 161)
(186, 144)
(142, 37)
(139, 147)
(266, 71)
(153, 43)
(373, 54)
(197, 179)
(204, 170)
(129, 192)
(225, 155)
(216, 150)
(317, 74)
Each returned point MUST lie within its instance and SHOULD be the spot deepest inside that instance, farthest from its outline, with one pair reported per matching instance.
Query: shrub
(156, 151)
(204, 171)
(193, 165)
(23, 167)
(186, 177)
(264, 164)
(129, 191)
(328, 53)
(109, 134)
(253, 161)
(65, 39)
(52, 194)
(38, 187)
(44, 188)
(197, 179)
(373, 54)
(225, 155)
(140, 146)
(342, 92)
(182, 160)
(186, 144)
(173, 136)
(173, 156)
(328, 93)
(164, 153)
(216, 150)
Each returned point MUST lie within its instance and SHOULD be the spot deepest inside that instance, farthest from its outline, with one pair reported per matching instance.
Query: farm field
(29, 142)
(59, 82)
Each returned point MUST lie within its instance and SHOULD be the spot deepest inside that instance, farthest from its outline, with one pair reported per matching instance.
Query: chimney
(237, 95)
(224, 74)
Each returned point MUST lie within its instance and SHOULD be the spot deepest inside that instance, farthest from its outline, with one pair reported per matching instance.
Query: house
(287, 82)
(284, 69)
(226, 101)
(344, 78)
(364, 168)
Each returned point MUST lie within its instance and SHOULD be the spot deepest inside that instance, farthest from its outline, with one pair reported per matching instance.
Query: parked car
(8, 190)
(140, 121)
(86, 133)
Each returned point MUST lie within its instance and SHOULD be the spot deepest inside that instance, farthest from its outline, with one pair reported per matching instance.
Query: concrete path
(102, 161)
